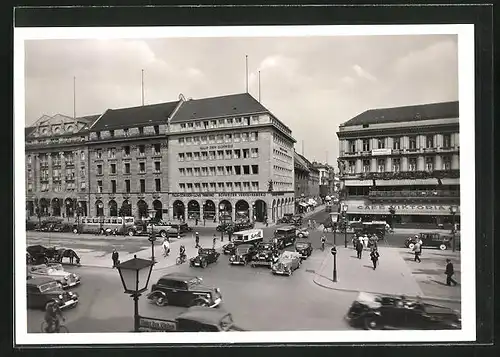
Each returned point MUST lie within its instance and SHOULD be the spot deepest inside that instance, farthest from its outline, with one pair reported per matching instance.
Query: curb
(434, 298)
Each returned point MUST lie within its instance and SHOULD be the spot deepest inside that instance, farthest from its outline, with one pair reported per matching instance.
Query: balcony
(407, 175)
(69, 163)
(415, 194)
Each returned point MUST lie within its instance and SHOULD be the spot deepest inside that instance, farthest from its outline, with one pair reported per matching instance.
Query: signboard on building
(378, 152)
(401, 209)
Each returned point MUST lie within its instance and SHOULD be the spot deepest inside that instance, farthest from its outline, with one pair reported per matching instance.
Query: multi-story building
(57, 165)
(312, 179)
(128, 152)
(406, 158)
(229, 155)
(326, 179)
(301, 176)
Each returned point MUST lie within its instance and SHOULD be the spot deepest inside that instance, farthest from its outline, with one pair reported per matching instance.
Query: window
(255, 152)
(204, 155)
(220, 139)
(237, 121)
(381, 165)
(246, 120)
(246, 170)
(211, 139)
(189, 171)
(189, 140)
(190, 125)
(204, 187)
(351, 144)
(181, 156)
(113, 186)
(113, 168)
(413, 142)
(396, 165)
(197, 171)
(429, 163)
(157, 149)
(203, 139)
(98, 134)
(141, 130)
(254, 136)
(237, 170)
(429, 141)
(112, 133)
(182, 187)
(396, 143)
(213, 123)
(212, 186)
(237, 186)
(244, 137)
(30, 187)
(237, 154)
(99, 169)
(221, 123)
(125, 132)
(99, 186)
(142, 167)
(447, 141)
(381, 143)
(212, 171)
(255, 119)
(220, 170)
(182, 172)
(220, 186)
(246, 186)
(229, 154)
(112, 153)
(366, 165)
(352, 166)
(157, 129)
(204, 171)
(181, 141)
(229, 186)
(412, 164)
(142, 150)
(157, 185)
(205, 124)
(237, 137)
(366, 145)
(196, 156)
(127, 186)
(126, 151)
(142, 183)
(196, 140)
(197, 125)
(446, 163)
(230, 121)
(255, 186)
(82, 155)
(246, 153)
(228, 138)
(229, 170)
(211, 155)
(157, 166)
(99, 154)
(189, 156)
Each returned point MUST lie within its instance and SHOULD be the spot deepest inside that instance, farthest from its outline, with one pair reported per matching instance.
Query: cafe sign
(401, 209)
(147, 324)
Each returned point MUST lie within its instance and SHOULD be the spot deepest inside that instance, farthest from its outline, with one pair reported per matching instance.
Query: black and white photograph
(281, 183)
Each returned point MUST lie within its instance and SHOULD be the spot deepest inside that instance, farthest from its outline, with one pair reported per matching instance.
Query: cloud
(363, 73)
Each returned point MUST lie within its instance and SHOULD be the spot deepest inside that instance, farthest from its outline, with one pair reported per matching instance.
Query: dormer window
(125, 131)
(157, 129)
(98, 134)
(112, 133)
(141, 130)
(183, 126)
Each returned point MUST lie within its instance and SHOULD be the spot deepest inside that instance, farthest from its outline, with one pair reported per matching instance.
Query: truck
(250, 236)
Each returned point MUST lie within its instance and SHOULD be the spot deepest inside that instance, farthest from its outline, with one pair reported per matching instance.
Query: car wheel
(75, 231)
(411, 246)
(442, 247)
(301, 235)
(131, 233)
(201, 303)
(161, 301)
(204, 264)
(163, 234)
(371, 323)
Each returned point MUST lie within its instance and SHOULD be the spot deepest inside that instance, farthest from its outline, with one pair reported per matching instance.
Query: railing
(405, 175)
(415, 193)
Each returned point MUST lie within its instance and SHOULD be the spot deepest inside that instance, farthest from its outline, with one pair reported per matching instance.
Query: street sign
(333, 250)
(147, 324)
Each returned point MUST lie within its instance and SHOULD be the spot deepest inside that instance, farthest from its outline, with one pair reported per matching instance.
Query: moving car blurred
(433, 239)
(266, 254)
(305, 249)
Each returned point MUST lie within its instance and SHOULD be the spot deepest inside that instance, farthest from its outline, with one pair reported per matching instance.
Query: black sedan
(229, 248)
(383, 312)
(305, 249)
(205, 256)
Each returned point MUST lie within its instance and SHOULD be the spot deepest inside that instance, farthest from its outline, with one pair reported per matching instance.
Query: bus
(124, 225)
(252, 236)
(285, 236)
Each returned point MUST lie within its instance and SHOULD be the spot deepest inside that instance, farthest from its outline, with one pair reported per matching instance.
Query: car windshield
(301, 245)
(49, 286)
(204, 251)
(242, 250)
(226, 322)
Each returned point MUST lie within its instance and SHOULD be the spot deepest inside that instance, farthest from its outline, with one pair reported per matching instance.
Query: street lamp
(222, 221)
(68, 203)
(392, 211)
(152, 235)
(344, 212)
(334, 253)
(135, 274)
(101, 219)
(453, 211)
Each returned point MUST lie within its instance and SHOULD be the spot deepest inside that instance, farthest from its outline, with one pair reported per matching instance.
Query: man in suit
(449, 273)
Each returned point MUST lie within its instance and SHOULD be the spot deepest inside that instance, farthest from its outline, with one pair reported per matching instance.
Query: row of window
(281, 126)
(56, 159)
(156, 129)
(220, 170)
(141, 151)
(278, 168)
(381, 143)
(57, 174)
(282, 155)
(277, 138)
(142, 186)
(57, 187)
(219, 186)
(396, 165)
(220, 138)
(126, 168)
(219, 155)
(220, 123)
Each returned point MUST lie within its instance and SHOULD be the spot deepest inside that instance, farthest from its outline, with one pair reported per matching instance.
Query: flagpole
(142, 86)
(259, 86)
(246, 66)
(74, 97)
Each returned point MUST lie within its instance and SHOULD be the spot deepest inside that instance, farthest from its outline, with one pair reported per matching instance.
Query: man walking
(374, 255)
(197, 240)
(115, 257)
(214, 240)
(449, 273)
(359, 249)
(417, 249)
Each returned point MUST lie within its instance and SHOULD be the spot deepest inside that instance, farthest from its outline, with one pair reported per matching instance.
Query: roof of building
(308, 163)
(153, 114)
(227, 105)
(408, 113)
(28, 130)
(89, 118)
(300, 162)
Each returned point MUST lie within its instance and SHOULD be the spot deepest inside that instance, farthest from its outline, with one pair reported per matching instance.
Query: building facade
(326, 179)
(406, 158)
(229, 156)
(301, 173)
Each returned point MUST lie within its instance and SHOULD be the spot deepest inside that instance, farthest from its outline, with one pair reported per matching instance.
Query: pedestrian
(115, 257)
(214, 240)
(196, 221)
(365, 241)
(309, 223)
(417, 250)
(197, 240)
(314, 224)
(359, 249)
(166, 247)
(355, 241)
(449, 273)
(374, 255)
(204, 221)
(265, 220)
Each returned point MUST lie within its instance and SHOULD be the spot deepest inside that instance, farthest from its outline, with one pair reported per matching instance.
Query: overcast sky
(311, 84)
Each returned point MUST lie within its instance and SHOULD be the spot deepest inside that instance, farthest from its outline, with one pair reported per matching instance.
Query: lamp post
(392, 211)
(222, 221)
(453, 211)
(334, 253)
(101, 218)
(152, 235)
(344, 212)
(135, 274)
(67, 209)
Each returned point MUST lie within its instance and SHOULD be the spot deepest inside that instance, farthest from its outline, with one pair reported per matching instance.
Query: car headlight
(65, 278)
(60, 297)
(231, 258)
(217, 290)
(70, 293)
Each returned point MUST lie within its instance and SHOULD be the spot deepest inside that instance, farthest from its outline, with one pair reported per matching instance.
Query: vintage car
(41, 291)
(296, 220)
(266, 254)
(287, 218)
(56, 272)
(286, 263)
(205, 256)
(243, 254)
(229, 248)
(183, 290)
(239, 226)
(433, 239)
(374, 311)
(224, 226)
(302, 233)
(163, 229)
(305, 249)
(195, 319)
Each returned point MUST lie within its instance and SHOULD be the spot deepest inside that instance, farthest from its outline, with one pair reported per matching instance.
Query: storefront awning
(450, 181)
(358, 182)
(432, 181)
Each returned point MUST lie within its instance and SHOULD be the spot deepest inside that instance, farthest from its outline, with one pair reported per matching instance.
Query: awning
(432, 181)
(358, 182)
(450, 181)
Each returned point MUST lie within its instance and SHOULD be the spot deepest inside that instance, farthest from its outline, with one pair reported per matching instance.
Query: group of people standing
(363, 242)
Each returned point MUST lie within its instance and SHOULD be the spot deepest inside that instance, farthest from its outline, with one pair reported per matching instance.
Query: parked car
(40, 291)
(38, 254)
(205, 256)
(239, 226)
(56, 272)
(305, 249)
(163, 229)
(433, 239)
(302, 233)
(243, 254)
(287, 217)
(229, 248)
(62, 227)
(182, 227)
(377, 311)
(266, 254)
(287, 263)
(183, 290)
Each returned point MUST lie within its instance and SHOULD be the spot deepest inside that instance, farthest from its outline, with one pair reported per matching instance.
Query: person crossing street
(450, 271)
(374, 256)
(166, 247)
(197, 240)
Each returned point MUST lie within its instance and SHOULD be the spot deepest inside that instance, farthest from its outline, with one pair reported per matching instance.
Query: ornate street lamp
(453, 211)
(152, 235)
(135, 274)
(344, 213)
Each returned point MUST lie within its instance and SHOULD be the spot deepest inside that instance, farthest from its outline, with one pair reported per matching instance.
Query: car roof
(203, 314)
(39, 281)
(302, 242)
(178, 276)
(245, 246)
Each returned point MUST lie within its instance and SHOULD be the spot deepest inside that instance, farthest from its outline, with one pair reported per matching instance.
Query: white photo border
(465, 33)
